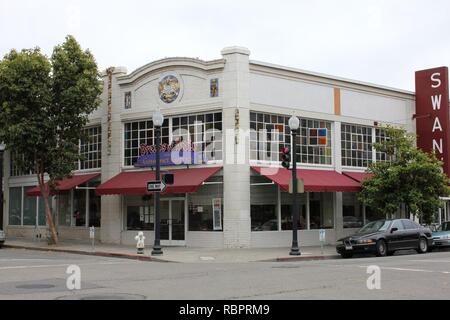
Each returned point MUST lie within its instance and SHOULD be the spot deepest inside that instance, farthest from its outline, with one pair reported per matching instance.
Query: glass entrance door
(172, 222)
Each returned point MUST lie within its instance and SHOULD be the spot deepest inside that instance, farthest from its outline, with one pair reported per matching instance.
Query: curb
(90, 253)
(303, 258)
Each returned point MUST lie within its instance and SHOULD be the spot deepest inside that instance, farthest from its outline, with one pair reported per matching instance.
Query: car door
(411, 234)
(396, 238)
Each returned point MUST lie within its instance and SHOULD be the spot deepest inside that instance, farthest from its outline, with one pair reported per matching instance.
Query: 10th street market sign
(170, 155)
(432, 113)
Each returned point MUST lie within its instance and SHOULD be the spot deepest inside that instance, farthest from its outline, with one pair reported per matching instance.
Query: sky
(376, 41)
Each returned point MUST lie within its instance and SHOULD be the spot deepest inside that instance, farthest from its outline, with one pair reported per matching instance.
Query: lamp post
(158, 120)
(2, 149)
(294, 124)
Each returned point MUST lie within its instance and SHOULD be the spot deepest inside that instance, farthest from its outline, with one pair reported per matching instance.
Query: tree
(410, 177)
(45, 104)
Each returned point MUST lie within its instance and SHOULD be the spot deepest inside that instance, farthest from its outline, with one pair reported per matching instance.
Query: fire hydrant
(140, 242)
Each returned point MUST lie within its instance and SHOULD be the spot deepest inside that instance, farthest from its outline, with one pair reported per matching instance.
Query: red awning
(135, 183)
(358, 176)
(65, 185)
(315, 180)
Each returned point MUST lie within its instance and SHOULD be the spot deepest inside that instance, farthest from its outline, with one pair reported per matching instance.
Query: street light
(2, 149)
(158, 120)
(294, 124)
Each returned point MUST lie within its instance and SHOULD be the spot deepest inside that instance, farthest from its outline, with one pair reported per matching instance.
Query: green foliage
(45, 103)
(412, 177)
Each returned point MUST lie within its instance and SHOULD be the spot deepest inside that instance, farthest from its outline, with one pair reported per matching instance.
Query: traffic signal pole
(295, 251)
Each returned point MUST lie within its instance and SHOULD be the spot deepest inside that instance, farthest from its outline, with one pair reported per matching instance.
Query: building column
(112, 142)
(338, 215)
(236, 169)
(338, 197)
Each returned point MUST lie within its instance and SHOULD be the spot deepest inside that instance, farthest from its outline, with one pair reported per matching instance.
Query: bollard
(140, 242)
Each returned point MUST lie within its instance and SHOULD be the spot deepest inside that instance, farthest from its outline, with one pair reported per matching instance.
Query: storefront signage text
(170, 155)
(432, 113)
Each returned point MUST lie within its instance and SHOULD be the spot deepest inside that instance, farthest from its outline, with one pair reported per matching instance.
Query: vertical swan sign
(432, 113)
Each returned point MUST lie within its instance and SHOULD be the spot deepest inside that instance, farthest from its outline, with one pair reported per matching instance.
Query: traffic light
(168, 178)
(286, 158)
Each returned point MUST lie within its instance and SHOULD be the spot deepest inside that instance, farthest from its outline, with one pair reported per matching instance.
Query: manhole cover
(35, 286)
(116, 296)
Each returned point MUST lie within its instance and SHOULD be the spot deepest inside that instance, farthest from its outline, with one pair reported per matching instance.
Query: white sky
(382, 42)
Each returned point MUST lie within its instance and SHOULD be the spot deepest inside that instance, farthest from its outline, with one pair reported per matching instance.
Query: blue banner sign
(171, 158)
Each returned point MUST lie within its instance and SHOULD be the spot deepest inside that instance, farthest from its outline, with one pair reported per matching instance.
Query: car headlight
(365, 241)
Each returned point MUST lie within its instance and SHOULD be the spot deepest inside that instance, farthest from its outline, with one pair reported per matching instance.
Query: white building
(224, 99)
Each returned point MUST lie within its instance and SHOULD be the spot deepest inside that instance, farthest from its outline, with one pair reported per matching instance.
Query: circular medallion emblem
(169, 89)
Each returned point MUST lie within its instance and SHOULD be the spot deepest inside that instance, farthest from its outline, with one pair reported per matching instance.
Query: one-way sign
(156, 186)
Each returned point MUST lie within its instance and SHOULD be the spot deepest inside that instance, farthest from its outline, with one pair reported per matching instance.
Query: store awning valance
(358, 176)
(65, 185)
(135, 182)
(315, 180)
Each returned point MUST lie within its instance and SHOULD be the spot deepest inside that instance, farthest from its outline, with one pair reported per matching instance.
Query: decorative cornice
(158, 65)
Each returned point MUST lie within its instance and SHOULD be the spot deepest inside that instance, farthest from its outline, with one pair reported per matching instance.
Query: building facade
(231, 116)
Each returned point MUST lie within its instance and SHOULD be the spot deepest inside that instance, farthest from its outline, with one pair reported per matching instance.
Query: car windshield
(375, 226)
(444, 227)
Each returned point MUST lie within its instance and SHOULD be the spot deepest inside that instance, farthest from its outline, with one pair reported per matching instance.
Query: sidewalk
(178, 254)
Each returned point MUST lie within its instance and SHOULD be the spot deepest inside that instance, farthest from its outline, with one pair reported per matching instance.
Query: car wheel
(346, 255)
(381, 248)
(423, 246)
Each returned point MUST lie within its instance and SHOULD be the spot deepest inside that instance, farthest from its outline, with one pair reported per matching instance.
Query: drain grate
(35, 286)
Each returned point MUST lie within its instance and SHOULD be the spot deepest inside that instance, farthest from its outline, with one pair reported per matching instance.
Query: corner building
(229, 199)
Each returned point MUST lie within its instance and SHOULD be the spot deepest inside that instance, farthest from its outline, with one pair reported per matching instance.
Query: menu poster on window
(217, 214)
(152, 215)
(141, 214)
(147, 216)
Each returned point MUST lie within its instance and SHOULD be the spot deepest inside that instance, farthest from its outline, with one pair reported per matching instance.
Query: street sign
(300, 186)
(156, 186)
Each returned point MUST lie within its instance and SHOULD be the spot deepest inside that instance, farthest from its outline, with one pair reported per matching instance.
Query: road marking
(6, 260)
(60, 265)
(446, 261)
(411, 270)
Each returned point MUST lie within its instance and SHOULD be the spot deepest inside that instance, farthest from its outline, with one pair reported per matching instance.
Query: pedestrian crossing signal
(285, 158)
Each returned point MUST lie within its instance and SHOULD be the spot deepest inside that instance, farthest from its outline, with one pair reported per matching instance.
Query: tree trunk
(45, 191)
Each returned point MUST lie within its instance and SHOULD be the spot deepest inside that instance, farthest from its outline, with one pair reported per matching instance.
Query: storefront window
(29, 209)
(356, 145)
(140, 218)
(352, 211)
(64, 210)
(42, 216)
(263, 199)
(91, 149)
(140, 213)
(321, 210)
(94, 209)
(15, 169)
(15, 206)
(372, 215)
(200, 205)
(308, 150)
(286, 211)
(380, 136)
(204, 131)
(79, 207)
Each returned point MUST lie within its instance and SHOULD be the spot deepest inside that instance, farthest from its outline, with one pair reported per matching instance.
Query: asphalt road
(42, 275)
